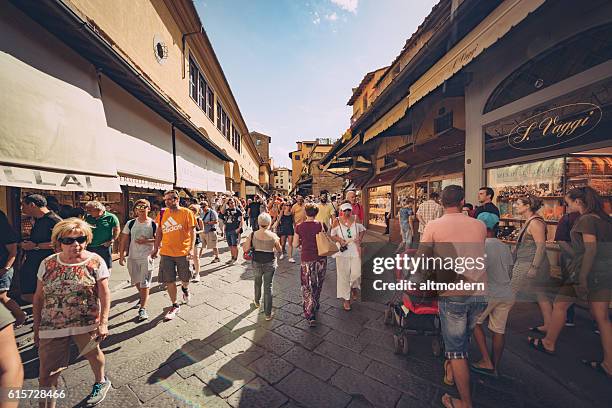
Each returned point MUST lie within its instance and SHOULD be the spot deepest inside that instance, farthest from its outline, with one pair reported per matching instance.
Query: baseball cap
(489, 219)
(346, 206)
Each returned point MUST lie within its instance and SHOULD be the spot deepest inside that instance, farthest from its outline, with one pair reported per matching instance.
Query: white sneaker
(291, 260)
(196, 278)
(172, 312)
(282, 256)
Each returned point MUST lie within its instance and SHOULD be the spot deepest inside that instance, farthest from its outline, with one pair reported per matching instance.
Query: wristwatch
(36, 247)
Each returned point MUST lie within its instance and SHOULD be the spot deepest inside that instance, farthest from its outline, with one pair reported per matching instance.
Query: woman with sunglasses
(348, 233)
(284, 227)
(71, 302)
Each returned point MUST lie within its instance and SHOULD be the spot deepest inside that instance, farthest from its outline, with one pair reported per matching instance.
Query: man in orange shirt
(176, 235)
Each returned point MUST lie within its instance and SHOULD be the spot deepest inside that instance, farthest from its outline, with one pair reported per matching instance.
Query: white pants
(348, 276)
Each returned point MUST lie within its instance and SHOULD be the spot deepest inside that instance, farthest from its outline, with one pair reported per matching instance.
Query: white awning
(494, 26)
(59, 181)
(51, 115)
(141, 139)
(196, 168)
(393, 115)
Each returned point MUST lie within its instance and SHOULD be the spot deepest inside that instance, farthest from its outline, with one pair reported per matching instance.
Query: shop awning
(497, 24)
(52, 120)
(140, 139)
(24, 177)
(355, 173)
(349, 145)
(388, 119)
(446, 143)
(386, 178)
(197, 169)
(438, 168)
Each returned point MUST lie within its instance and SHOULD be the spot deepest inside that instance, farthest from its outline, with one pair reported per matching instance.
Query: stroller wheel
(405, 344)
(388, 320)
(436, 347)
(398, 344)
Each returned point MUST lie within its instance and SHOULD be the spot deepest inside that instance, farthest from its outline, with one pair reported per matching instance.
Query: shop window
(568, 58)
(443, 122)
(377, 204)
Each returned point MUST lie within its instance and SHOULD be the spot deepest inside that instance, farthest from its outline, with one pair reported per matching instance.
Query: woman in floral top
(72, 301)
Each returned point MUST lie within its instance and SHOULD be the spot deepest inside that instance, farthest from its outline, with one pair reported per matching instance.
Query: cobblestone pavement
(220, 352)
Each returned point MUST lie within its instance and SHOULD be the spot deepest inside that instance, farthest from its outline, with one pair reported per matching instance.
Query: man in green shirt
(106, 229)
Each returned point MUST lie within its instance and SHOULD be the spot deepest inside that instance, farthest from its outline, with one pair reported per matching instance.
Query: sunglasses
(70, 240)
(349, 210)
(141, 207)
(348, 233)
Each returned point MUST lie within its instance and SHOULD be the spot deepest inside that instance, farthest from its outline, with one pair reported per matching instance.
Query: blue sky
(292, 63)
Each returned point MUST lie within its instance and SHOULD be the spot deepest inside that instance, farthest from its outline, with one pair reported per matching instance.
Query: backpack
(130, 225)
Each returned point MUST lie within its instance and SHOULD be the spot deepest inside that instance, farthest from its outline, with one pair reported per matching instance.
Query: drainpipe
(183, 42)
(174, 153)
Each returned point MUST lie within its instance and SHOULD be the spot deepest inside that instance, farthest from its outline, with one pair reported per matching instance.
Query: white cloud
(332, 16)
(348, 5)
(317, 18)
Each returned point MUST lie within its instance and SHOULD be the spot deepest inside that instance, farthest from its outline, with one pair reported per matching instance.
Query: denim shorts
(458, 317)
(232, 237)
(5, 280)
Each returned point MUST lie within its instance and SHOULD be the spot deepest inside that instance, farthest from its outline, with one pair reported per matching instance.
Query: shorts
(497, 312)
(232, 237)
(105, 253)
(141, 271)
(54, 353)
(171, 266)
(209, 239)
(5, 280)
(458, 315)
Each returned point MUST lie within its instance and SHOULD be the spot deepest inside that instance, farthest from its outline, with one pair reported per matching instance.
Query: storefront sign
(49, 180)
(142, 183)
(555, 126)
(576, 121)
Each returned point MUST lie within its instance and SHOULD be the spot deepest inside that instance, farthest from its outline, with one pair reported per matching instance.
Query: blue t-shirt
(404, 213)
(210, 215)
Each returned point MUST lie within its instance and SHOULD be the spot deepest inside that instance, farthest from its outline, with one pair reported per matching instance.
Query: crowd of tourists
(66, 264)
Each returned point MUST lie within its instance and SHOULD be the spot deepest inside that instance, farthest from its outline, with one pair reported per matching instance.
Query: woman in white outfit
(349, 234)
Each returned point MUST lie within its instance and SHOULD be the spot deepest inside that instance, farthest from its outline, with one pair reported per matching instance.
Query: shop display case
(549, 180)
(377, 197)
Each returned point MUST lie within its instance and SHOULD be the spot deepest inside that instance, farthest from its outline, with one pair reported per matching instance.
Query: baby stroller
(414, 312)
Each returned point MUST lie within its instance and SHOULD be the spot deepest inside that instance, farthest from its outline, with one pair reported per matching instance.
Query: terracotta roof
(366, 79)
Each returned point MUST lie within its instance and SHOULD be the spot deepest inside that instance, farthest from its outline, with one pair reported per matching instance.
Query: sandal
(448, 379)
(484, 371)
(597, 366)
(346, 306)
(447, 401)
(537, 344)
(536, 329)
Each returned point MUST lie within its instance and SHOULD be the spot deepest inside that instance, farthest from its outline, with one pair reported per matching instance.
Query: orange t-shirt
(299, 213)
(176, 227)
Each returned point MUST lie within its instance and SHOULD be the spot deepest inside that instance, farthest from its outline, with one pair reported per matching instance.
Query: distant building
(282, 182)
(311, 179)
(262, 145)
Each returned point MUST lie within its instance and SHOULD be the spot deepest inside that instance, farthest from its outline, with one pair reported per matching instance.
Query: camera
(343, 248)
